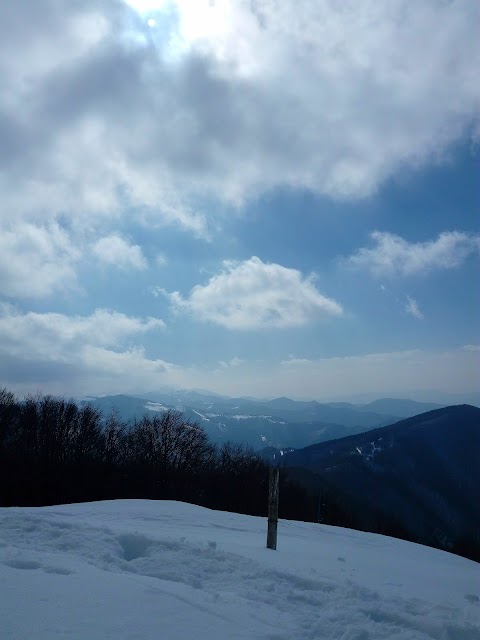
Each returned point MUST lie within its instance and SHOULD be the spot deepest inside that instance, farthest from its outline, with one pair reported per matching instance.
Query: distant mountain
(395, 407)
(128, 408)
(399, 407)
(420, 475)
(281, 423)
(443, 398)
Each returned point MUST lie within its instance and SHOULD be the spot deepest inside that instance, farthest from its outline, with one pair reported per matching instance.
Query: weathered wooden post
(273, 508)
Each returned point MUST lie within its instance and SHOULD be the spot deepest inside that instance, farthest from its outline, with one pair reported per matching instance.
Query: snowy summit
(137, 569)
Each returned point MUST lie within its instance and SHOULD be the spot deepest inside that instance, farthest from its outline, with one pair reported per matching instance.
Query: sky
(254, 197)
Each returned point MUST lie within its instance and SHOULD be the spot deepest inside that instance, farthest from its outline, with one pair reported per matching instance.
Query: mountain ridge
(281, 422)
(420, 475)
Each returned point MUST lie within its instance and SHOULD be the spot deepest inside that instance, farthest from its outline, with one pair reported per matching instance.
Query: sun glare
(199, 19)
(202, 19)
(220, 26)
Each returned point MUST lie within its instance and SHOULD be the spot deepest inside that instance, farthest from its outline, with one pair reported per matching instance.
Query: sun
(219, 26)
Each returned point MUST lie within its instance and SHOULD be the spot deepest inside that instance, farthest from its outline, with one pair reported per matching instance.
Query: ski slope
(153, 570)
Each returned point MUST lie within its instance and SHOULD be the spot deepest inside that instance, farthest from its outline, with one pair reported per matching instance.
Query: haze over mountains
(281, 423)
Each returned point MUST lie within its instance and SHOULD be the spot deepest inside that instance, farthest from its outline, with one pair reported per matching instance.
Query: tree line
(53, 451)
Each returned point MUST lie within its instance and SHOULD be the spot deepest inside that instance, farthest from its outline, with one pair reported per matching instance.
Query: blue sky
(256, 198)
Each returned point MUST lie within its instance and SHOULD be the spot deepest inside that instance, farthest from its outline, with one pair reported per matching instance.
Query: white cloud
(69, 355)
(36, 260)
(392, 255)
(100, 113)
(413, 309)
(255, 295)
(120, 366)
(55, 336)
(116, 251)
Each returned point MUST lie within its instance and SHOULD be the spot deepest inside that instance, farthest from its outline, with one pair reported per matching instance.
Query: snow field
(151, 569)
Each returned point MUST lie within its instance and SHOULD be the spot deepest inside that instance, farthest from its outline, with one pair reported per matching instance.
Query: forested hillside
(417, 479)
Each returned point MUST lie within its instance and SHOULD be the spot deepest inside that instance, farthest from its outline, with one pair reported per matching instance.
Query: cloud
(256, 295)
(115, 365)
(36, 260)
(391, 255)
(55, 336)
(78, 354)
(413, 309)
(116, 251)
(100, 114)
(53, 366)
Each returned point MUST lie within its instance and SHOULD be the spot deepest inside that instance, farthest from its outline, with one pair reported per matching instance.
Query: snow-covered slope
(135, 569)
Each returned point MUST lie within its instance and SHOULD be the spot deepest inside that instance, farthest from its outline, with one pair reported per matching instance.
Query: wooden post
(273, 509)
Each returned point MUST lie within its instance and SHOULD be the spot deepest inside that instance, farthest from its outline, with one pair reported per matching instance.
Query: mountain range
(281, 423)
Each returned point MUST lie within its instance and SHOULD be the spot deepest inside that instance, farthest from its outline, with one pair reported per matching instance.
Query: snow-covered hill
(135, 569)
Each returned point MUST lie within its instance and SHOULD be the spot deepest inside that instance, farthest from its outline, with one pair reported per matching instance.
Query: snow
(201, 415)
(238, 416)
(138, 569)
(155, 406)
(369, 456)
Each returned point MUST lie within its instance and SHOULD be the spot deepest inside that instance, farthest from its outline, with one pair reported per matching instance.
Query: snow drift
(142, 569)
